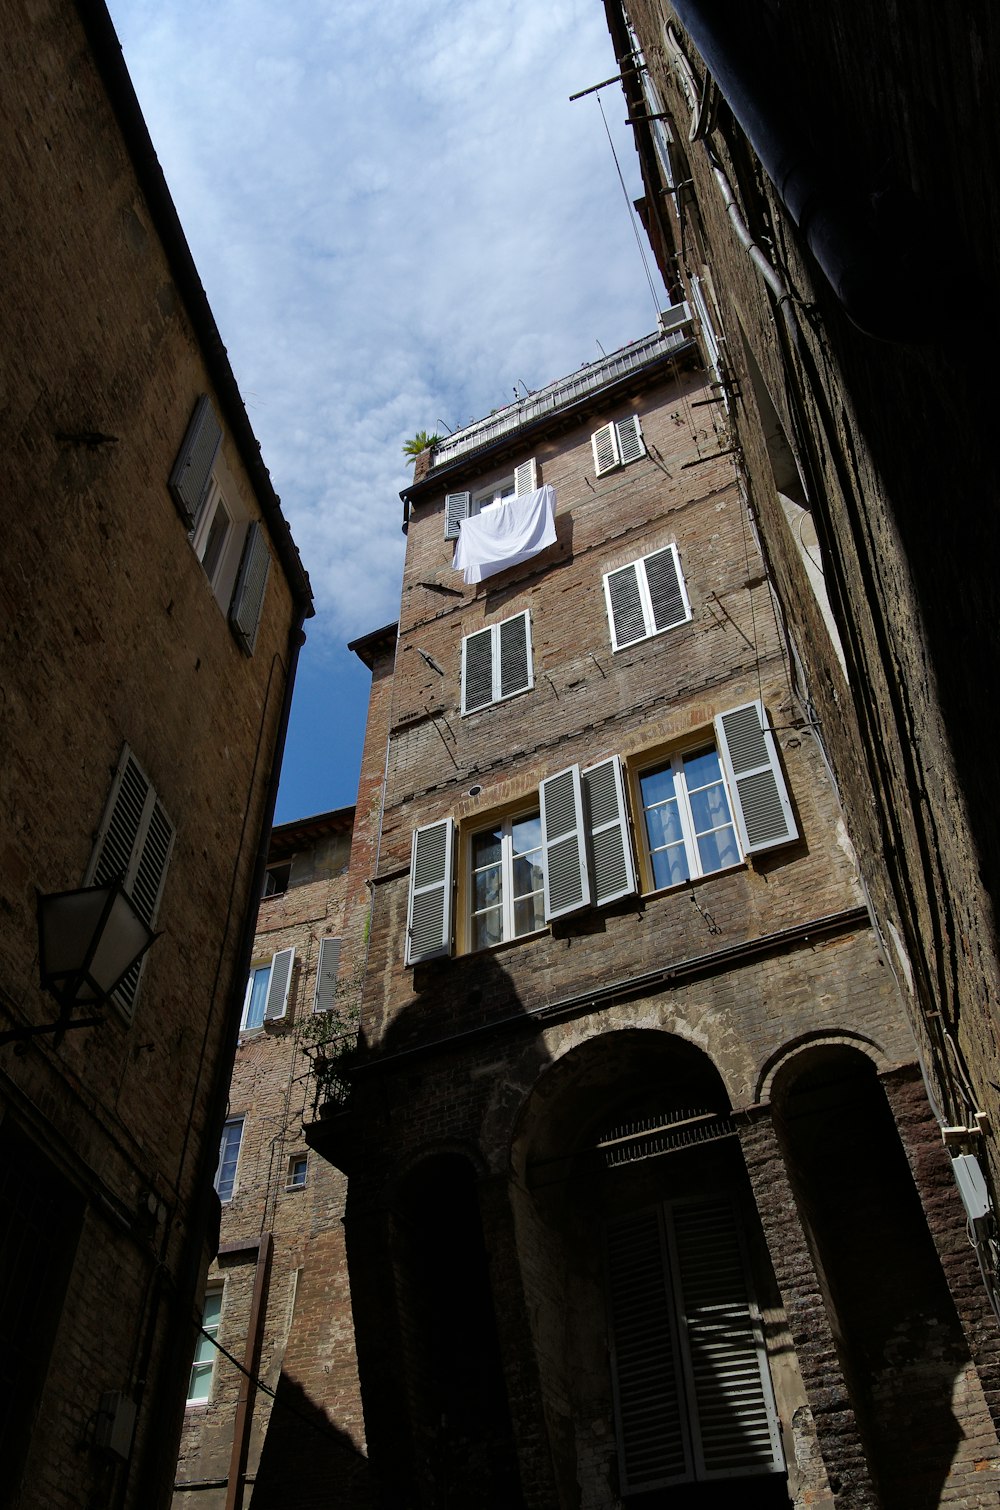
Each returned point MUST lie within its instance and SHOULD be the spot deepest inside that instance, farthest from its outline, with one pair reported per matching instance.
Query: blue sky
(397, 216)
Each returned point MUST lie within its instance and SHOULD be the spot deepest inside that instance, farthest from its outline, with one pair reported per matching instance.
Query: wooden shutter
(763, 810)
(192, 471)
(279, 984)
(326, 975)
(567, 883)
(625, 610)
(477, 670)
(134, 842)
(654, 1442)
(733, 1416)
(525, 478)
(428, 924)
(612, 866)
(604, 443)
(665, 583)
(514, 643)
(630, 443)
(456, 508)
(248, 599)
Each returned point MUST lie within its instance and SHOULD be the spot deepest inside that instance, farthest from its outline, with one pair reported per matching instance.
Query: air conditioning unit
(115, 1424)
(975, 1195)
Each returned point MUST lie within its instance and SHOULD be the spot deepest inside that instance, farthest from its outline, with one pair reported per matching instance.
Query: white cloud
(397, 215)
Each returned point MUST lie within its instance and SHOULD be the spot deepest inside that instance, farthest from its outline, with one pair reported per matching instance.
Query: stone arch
(776, 1064)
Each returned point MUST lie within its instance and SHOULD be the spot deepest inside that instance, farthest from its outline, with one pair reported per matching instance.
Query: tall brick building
(794, 164)
(646, 1203)
(153, 604)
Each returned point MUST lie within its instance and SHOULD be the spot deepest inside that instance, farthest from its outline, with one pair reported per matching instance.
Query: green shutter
(192, 470)
(248, 599)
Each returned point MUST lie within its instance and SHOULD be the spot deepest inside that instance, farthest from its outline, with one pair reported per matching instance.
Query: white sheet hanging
(505, 534)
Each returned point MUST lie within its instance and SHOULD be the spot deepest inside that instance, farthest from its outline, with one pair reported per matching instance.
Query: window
(496, 663)
(688, 824)
(508, 881)
(617, 444)
(298, 1166)
(229, 1157)
(692, 1390)
(646, 597)
(203, 1367)
(232, 549)
(276, 879)
(703, 809)
(459, 506)
(267, 990)
(325, 995)
(134, 842)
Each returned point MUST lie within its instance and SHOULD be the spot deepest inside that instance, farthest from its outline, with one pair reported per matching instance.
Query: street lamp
(88, 941)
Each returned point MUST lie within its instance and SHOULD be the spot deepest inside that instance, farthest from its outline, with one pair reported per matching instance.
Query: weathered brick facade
(114, 636)
(513, 1108)
(302, 1328)
(861, 417)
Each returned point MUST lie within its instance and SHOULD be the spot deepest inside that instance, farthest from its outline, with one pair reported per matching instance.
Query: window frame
(675, 761)
(295, 1161)
(612, 433)
(213, 1289)
(238, 1123)
(459, 506)
(277, 993)
(495, 632)
(645, 597)
(505, 822)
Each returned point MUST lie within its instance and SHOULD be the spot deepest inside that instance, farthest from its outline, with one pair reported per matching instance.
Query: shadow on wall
(306, 1460)
(900, 1340)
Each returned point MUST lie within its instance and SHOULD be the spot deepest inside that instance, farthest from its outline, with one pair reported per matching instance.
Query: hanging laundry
(506, 534)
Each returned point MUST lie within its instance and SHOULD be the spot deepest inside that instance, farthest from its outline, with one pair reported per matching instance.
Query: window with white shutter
(248, 599)
(326, 975)
(611, 864)
(134, 843)
(429, 912)
(763, 807)
(267, 992)
(459, 506)
(567, 880)
(617, 444)
(692, 1390)
(496, 663)
(192, 471)
(646, 597)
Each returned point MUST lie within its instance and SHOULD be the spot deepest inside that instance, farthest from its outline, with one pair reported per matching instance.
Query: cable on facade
(631, 214)
(325, 1431)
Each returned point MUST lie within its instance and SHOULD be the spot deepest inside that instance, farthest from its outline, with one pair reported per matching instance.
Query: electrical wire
(631, 213)
(326, 1431)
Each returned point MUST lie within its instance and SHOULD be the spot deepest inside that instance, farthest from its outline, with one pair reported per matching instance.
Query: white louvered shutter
(326, 975)
(188, 482)
(612, 866)
(456, 508)
(428, 924)
(279, 984)
(477, 670)
(734, 1421)
(668, 599)
(248, 599)
(654, 1443)
(625, 608)
(525, 478)
(567, 883)
(604, 443)
(630, 442)
(514, 641)
(134, 843)
(756, 784)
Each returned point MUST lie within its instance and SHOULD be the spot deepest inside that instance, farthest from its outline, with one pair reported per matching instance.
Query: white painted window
(229, 1158)
(205, 1353)
(298, 1168)
(688, 820)
(507, 879)
(617, 444)
(646, 597)
(496, 663)
(459, 506)
(267, 990)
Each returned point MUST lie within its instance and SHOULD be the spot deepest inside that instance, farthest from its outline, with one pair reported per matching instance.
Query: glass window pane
(487, 929)
(526, 833)
(528, 875)
(487, 888)
(709, 808)
(486, 847)
(663, 825)
(718, 849)
(258, 997)
(529, 914)
(657, 786)
(701, 769)
(670, 866)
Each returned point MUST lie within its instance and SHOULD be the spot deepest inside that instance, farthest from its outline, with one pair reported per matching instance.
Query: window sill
(495, 702)
(522, 938)
(692, 881)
